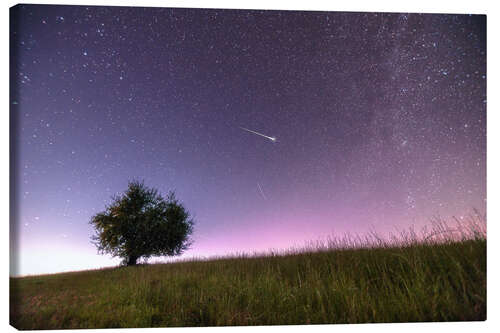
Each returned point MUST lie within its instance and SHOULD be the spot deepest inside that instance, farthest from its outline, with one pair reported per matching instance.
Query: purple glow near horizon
(380, 122)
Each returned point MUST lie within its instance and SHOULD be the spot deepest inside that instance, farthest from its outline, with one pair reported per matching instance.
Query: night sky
(379, 120)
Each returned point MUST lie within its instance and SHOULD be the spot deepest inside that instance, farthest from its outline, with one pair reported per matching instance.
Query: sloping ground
(431, 282)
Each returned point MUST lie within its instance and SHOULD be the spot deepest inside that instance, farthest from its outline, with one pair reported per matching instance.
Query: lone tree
(141, 223)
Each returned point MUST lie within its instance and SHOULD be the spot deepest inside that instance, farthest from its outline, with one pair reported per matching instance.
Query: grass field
(440, 276)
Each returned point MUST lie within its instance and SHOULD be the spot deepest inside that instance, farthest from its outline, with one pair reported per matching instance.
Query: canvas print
(220, 167)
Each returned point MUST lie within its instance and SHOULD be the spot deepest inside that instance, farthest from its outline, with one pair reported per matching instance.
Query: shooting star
(273, 139)
(261, 191)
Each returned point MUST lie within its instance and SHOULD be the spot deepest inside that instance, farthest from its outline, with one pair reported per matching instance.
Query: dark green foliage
(441, 282)
(141, 223)
(401, 281)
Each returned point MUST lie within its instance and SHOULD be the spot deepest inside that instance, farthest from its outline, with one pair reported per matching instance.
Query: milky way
(381, 121)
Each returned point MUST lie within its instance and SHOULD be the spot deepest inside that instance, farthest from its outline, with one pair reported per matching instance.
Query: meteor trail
(261, 192)
(273, 139)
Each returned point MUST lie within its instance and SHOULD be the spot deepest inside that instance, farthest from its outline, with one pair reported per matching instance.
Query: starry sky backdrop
(380, 121)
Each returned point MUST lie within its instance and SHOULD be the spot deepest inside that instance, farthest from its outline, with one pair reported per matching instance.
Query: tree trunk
(132, 260)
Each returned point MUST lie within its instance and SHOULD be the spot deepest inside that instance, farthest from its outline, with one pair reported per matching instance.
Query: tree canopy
(141, 224)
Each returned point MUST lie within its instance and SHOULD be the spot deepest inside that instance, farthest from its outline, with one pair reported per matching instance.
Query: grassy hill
(435, 279)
